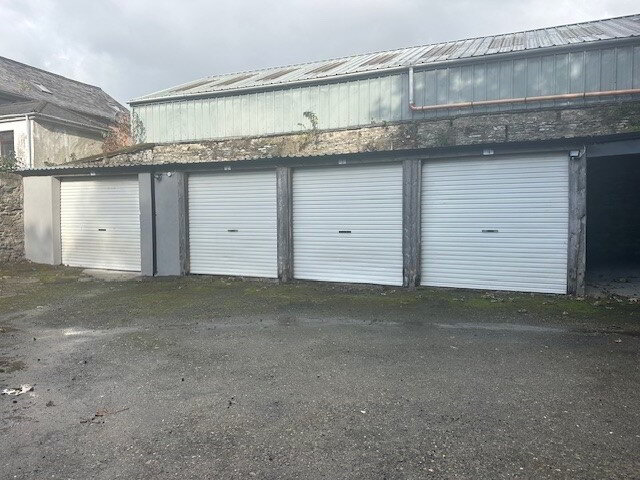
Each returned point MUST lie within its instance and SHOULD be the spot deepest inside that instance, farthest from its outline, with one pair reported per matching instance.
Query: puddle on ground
(502, 327)
(89, 333)
(283, 321)
(8, 365)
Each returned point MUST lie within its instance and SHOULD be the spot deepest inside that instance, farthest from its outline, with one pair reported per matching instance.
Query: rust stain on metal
(193, 85)
(278, 74)
(237, 79)
(327, 67)
(380, 59)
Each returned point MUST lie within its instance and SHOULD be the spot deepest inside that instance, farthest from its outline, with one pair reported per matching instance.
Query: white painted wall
(54, 144)
(20, 139)
(51, 144)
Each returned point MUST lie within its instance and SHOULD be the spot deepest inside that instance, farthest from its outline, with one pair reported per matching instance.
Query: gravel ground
(209, 377)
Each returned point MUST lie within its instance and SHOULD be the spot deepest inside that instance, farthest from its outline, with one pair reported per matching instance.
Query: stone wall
(477, 129)
(11, 223)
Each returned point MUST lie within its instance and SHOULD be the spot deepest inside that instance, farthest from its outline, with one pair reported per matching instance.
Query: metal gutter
(52, 118)
(70, 122)
(13, 116)
(395, 69)
(540, 98)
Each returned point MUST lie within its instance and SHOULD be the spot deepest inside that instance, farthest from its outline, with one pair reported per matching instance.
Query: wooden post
(285, 223)
(183, 220)
(577, 245)
(411, 212)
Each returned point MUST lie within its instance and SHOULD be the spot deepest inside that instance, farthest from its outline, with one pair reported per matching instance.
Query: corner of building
(42, 219)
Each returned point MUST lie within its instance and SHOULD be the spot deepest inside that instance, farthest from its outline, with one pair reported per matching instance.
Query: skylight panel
(43, 89)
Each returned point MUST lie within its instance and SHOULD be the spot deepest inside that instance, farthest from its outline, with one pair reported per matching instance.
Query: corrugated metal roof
(564, 35)
(107, 161)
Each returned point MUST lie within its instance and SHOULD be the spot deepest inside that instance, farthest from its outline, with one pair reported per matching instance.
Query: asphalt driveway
(204, 377)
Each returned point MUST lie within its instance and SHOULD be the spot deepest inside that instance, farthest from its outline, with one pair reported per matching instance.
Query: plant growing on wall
(312, 133)
(8, 163)
(313, 119)
(119, 135)
(138, 130)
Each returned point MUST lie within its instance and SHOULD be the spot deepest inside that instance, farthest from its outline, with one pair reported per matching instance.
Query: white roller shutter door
(496, 223)
(100, 223)
(347, 224)
(233, 223)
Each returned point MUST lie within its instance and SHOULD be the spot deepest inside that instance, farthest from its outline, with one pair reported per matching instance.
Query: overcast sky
(134, 47)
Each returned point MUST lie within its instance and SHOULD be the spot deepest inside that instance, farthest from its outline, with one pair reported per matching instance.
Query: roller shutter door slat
(364, 200)
(524, 198)
(244, 203)
(100, 223)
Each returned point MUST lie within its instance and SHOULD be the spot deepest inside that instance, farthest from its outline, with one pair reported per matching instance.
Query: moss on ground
(203, 297)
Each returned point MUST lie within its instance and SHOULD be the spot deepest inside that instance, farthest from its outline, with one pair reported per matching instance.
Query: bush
(8, 163)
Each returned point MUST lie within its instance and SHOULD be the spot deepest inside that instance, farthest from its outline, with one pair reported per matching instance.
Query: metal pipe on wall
(411, 94)
(27, 119)
(541, 98)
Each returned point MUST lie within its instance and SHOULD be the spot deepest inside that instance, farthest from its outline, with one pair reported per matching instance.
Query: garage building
(464, 164)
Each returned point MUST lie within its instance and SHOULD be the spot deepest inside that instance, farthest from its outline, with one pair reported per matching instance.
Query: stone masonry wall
(11, 223)
(517, 126)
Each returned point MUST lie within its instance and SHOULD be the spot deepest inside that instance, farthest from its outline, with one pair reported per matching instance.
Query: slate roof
(19, 108)
(33, 84)
(531, 40)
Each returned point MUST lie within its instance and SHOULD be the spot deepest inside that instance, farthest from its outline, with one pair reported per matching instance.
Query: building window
(7, 149)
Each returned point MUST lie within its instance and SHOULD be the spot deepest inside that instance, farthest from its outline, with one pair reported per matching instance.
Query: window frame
(7, 144)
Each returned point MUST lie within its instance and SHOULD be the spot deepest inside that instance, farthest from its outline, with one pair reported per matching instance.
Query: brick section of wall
(11, 223)
(551, 124)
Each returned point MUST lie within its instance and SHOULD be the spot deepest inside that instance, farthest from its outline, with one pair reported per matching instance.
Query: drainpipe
(27, 118)
(412, 102)
(542, 98)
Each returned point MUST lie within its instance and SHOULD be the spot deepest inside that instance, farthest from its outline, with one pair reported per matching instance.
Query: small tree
(119, 135)
(138, 130)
